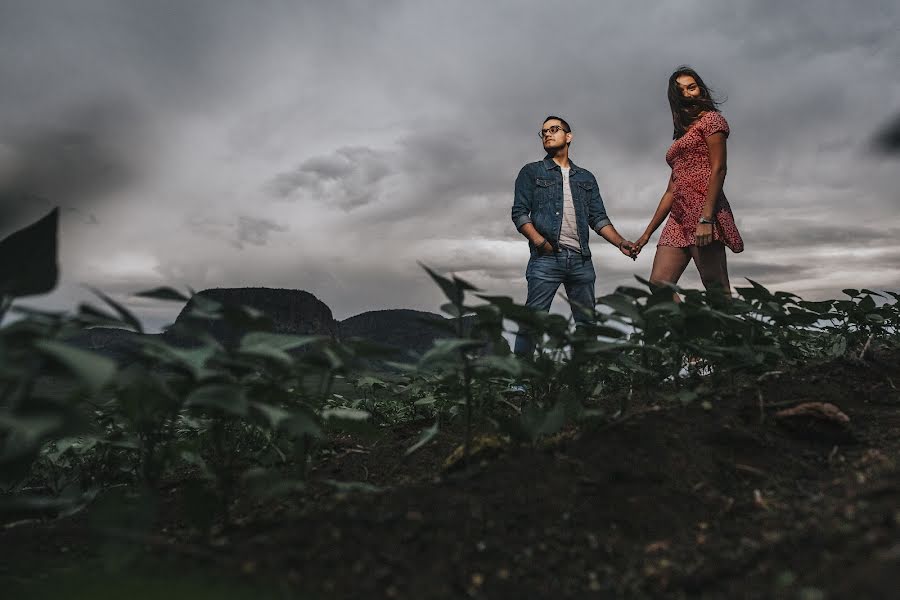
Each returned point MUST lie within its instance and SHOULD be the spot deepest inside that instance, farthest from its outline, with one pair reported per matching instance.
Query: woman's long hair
(686, 110)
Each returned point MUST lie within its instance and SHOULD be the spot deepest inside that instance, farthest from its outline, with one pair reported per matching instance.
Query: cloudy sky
(330, 146)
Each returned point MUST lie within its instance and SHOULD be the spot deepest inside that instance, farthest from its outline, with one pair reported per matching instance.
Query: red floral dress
(689, 158)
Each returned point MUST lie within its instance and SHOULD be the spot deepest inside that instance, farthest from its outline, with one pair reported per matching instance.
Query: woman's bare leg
(712, 266)
(668, 264)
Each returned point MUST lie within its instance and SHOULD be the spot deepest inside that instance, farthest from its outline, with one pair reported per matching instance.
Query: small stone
(657, 546)
(820, 421)
(810, 593)
(818, 410)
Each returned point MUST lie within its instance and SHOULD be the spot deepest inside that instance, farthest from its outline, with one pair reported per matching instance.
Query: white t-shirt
(568, 233)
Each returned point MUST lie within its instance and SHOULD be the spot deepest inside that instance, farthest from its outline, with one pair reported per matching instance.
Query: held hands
(638, 246)
(628, 248)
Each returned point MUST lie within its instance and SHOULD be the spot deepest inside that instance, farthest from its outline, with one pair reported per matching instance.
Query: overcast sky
(330, 146)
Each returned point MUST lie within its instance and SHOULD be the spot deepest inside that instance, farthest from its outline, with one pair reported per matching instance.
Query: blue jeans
(544, 274)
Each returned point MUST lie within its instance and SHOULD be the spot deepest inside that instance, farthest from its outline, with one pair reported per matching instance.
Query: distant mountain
(287, 311)
(119, 344)
(412, 330)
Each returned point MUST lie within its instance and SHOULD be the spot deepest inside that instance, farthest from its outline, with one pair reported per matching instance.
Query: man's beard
(551, 149)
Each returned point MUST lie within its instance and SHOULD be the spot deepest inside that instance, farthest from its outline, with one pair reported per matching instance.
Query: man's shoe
(517, 389)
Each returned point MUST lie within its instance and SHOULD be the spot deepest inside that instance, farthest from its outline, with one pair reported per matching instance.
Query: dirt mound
(673, 502)
(670, 502)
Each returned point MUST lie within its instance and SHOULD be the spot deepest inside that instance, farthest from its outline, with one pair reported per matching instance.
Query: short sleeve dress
(689, 158)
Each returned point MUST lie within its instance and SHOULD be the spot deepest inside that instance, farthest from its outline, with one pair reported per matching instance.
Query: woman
(700, 223)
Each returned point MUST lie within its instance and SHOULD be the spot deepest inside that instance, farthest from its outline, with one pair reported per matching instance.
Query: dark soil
(669, 502)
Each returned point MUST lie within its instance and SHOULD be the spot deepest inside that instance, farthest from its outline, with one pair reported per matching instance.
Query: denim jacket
(539, 201)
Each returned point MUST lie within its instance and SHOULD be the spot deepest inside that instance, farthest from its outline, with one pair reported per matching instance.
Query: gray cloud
(76, 162)
(348, 178)
(256, 231)
(799, 234)
(236, 231)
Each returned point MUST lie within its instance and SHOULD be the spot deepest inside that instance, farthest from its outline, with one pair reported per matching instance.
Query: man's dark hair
(565, 125)
(686, 110)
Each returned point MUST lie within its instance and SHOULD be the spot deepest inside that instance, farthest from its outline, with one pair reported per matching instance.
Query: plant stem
(862, 355)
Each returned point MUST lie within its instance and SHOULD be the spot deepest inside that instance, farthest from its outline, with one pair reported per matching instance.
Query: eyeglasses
(551, 130)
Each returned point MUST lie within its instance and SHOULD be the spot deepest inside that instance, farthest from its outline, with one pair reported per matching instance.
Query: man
(556, 204)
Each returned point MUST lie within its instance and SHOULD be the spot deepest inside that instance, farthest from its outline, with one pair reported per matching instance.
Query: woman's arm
(662, 211)
(718, 166)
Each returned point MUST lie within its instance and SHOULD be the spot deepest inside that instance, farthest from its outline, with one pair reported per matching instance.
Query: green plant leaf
(124, 314)
(345, 414)
(31, 428)
(840, 347)
(670, 308)
(428, 434)
(448, 350)
(632, 292)
(757, 292)
(229, 399)
(623, 305)
(509, 365)
(273, 415)
(163, 293)
(301, 423)
(453, 293)
(92, 369)
(28, 259)
(193, 359)
(276, 345)
(348, 419)
(453, 310)
(201, 307)
(606, 331)
(281, 341)
(454, 289)
(371, 383)
(821, 308)
(536, 421)
(871, 293)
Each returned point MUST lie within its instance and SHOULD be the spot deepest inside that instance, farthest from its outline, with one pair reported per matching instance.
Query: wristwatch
(705, 221)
